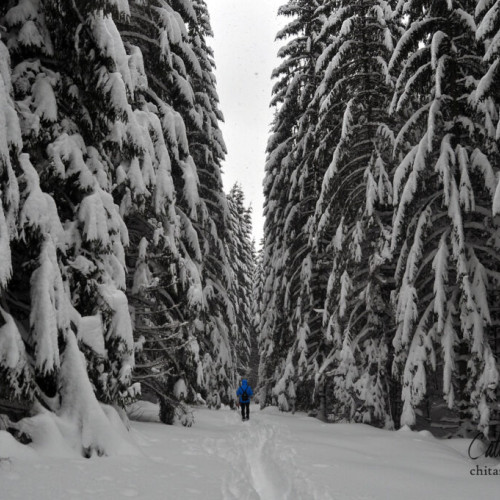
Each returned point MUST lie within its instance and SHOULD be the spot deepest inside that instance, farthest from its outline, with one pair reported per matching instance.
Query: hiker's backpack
(244, 395)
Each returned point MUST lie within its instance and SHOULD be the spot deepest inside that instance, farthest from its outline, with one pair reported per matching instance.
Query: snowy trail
(272, 457)
(262, 464)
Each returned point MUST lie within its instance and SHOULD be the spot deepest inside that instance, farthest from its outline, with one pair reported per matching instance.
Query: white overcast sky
(245, 55)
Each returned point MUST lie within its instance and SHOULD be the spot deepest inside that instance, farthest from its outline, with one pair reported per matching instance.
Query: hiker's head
(244, 382)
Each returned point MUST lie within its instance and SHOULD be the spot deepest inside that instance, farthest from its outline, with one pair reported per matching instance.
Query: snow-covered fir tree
(331, 166)
(257, 287)
(241, 255)
(68, 237)
(351, 224)
(402, 127)
(208, 149)
(445, 228)
(182, 90)
(107, 109)
(290, 187)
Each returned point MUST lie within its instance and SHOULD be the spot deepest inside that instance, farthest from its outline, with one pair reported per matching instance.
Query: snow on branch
(416, 31)
(110, 42)
(66, 154)
(410, 188)
(440, 267)
(488, 24)
(39, 208)
(49, 309)
(12, 351)
(119, 329)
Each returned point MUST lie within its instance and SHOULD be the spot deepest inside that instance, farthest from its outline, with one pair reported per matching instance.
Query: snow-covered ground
(274, 456)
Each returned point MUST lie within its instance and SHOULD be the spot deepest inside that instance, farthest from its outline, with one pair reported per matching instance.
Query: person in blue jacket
(245, 393)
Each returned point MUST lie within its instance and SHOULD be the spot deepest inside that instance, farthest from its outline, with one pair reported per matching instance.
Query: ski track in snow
(262, 464)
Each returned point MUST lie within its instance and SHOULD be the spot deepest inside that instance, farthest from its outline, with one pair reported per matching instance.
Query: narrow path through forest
(262, 463)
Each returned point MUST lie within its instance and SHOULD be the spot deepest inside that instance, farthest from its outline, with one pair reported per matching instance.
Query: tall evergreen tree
(180, 69)
(351, 221)
(407, 296)
(255, 347)
(241, 255)
(68, 236)
(444, 228)
(109, 114)
(289, 188)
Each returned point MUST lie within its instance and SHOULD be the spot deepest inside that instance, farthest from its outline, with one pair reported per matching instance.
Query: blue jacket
(239, 392)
